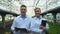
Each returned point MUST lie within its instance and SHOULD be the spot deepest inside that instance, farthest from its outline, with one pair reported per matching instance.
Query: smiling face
(37, 12)
(23, 10)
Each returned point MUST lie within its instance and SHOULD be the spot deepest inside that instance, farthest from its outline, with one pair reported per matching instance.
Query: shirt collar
(23, 16)
(37, 18)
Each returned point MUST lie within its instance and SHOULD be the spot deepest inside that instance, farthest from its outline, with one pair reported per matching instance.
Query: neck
(23, 16)
(38, 17)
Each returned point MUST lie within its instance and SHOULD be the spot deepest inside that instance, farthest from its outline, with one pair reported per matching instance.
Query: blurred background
(50, 10)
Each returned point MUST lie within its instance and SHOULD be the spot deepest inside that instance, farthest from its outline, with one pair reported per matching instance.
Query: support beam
(37, 2)
(43, 14)
(15, 15)
(3, 20)
(54, 18)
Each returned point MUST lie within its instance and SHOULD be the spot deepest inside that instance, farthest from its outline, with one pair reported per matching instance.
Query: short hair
(37, 8)
(23, 5)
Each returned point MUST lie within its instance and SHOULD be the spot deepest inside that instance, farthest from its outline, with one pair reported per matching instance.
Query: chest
(22, 21)
(38, 22)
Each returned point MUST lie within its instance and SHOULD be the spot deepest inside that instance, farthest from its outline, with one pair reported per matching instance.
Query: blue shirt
(35, 24)
(20, 22)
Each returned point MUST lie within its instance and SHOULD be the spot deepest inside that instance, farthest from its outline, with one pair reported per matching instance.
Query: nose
(23, 10)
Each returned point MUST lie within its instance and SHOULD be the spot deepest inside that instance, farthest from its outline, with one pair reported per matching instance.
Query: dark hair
(23, 5)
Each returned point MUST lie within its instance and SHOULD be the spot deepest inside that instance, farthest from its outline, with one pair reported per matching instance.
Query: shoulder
(16, 18)
(43, 18)
(29, 18)
(33, 20)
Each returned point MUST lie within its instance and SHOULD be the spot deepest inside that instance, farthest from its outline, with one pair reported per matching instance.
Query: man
(21, 24)
(36, 22)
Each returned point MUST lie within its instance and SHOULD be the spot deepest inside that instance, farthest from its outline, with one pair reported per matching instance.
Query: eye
(23, 9)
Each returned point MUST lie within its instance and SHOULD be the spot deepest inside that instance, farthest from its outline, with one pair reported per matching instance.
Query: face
(37, 12)
(23, 11)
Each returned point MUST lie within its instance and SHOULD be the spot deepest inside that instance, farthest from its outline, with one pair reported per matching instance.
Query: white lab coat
(21, 23)
(35, 24)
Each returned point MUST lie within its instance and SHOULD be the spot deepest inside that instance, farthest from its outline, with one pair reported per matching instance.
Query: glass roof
(14, 5)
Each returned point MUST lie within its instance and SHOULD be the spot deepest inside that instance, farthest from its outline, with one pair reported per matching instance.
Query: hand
(42, 27)
(27, 30)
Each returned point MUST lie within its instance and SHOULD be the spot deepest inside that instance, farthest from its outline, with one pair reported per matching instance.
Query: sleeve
(32, 26)
(47, 26)
(13, 25)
